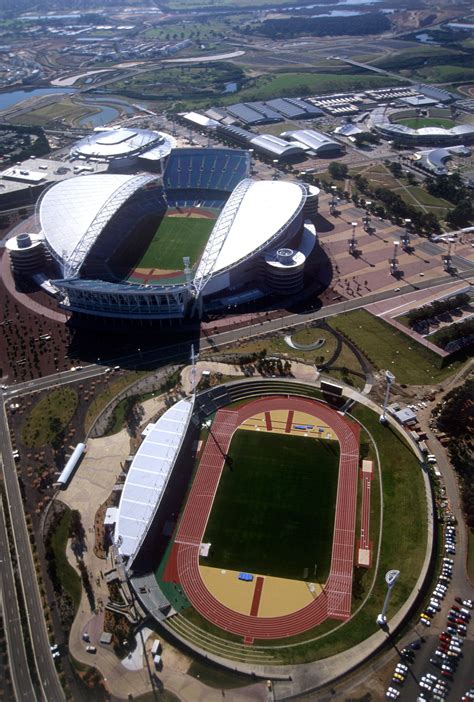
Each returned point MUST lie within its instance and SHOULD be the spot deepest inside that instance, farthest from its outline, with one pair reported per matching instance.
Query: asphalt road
(459, 585)
(22, 684)
(47, 673)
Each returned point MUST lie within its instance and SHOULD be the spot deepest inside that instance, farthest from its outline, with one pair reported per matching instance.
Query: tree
(462, 214)
(395, 169)
(338, 170)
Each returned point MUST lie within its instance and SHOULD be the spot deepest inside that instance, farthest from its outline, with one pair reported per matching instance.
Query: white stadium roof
(254, 215)
(74, 212)
(114, 143)
(148, 476)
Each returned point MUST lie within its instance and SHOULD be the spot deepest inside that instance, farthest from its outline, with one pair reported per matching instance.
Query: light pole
(390, 578)
(333, 205)
(406, 236)
(390, 378)
(368, 205)
(353, 241)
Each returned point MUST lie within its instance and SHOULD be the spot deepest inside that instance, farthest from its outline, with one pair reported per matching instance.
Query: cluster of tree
(86, 583)
(30, 141)
(366, 138)
(339, 171)
(455, 332)
(452, 188)
(370, 23)
(273, 367)
(420, 314)
(456, 419)
(394, 206)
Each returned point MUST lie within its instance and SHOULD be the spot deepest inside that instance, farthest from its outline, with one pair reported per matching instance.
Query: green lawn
(68, 577)
(177, 237)
(274, 511)
(426, 122)
(389, 349)
(304, 83)
(49, 417)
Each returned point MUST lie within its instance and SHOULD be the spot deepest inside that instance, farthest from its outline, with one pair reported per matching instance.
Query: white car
(392, 693)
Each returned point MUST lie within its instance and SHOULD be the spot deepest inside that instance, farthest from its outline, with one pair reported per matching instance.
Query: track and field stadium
(148, 247)
(266, 543)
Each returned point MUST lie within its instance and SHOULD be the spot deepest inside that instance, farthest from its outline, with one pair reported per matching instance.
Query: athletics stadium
(162, 247)
(264, 543)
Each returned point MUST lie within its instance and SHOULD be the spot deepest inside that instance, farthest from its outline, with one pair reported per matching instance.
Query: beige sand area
(279, 595)
(317, 429)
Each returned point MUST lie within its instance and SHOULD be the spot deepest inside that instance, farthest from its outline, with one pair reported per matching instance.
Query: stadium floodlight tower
(391, 578)
(448, 258)
(393, 262)
(390, 378)
(353, 241)
(366, 220)
(333, 203)
(405, 237)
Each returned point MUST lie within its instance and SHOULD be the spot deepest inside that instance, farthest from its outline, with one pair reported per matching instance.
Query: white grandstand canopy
(74, 212)
(148, 476)
(255, 214)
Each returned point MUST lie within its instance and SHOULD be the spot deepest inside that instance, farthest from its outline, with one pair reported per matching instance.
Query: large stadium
(159, 247)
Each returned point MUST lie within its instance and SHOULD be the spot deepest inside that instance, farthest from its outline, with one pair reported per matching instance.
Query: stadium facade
(259, 243)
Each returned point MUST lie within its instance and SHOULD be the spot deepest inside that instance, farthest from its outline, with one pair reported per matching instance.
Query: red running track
(335, 600)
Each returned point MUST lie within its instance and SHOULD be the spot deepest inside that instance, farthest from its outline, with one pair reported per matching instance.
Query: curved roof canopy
(74, 212)
(255, 214)
(113, 143)
(148, 476)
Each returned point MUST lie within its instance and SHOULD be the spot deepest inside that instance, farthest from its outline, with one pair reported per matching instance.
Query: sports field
(177, 235)
(418, 123)
(273, 513)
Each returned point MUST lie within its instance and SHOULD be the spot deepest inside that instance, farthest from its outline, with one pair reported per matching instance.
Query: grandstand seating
(144, 203)
(207, 169)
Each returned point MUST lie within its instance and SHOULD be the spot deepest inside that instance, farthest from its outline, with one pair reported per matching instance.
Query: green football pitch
(274, 510)
(177, 237)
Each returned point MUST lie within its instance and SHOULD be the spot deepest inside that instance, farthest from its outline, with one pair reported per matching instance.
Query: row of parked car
(439, 592)
(448, 653)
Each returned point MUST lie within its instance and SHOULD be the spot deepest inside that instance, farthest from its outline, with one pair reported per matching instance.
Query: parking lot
(437, 664)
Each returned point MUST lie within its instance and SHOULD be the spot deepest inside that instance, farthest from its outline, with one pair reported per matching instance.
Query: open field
(388, 348)
(274, 511)
(418, 123)
(177, 236)
(307, 83)
(49, 417)
(64, 110)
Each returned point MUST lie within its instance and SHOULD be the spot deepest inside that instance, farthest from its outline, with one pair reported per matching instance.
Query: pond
(12, 97)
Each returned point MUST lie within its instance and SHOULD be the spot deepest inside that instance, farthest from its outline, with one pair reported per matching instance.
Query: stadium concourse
(120, 255)
(182, 567)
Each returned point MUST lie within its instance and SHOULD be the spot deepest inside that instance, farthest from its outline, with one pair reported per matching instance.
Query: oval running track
(335, 599)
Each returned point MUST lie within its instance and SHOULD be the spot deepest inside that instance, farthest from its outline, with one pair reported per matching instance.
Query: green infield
(418, 123)
(274, 511)
(177, 236)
